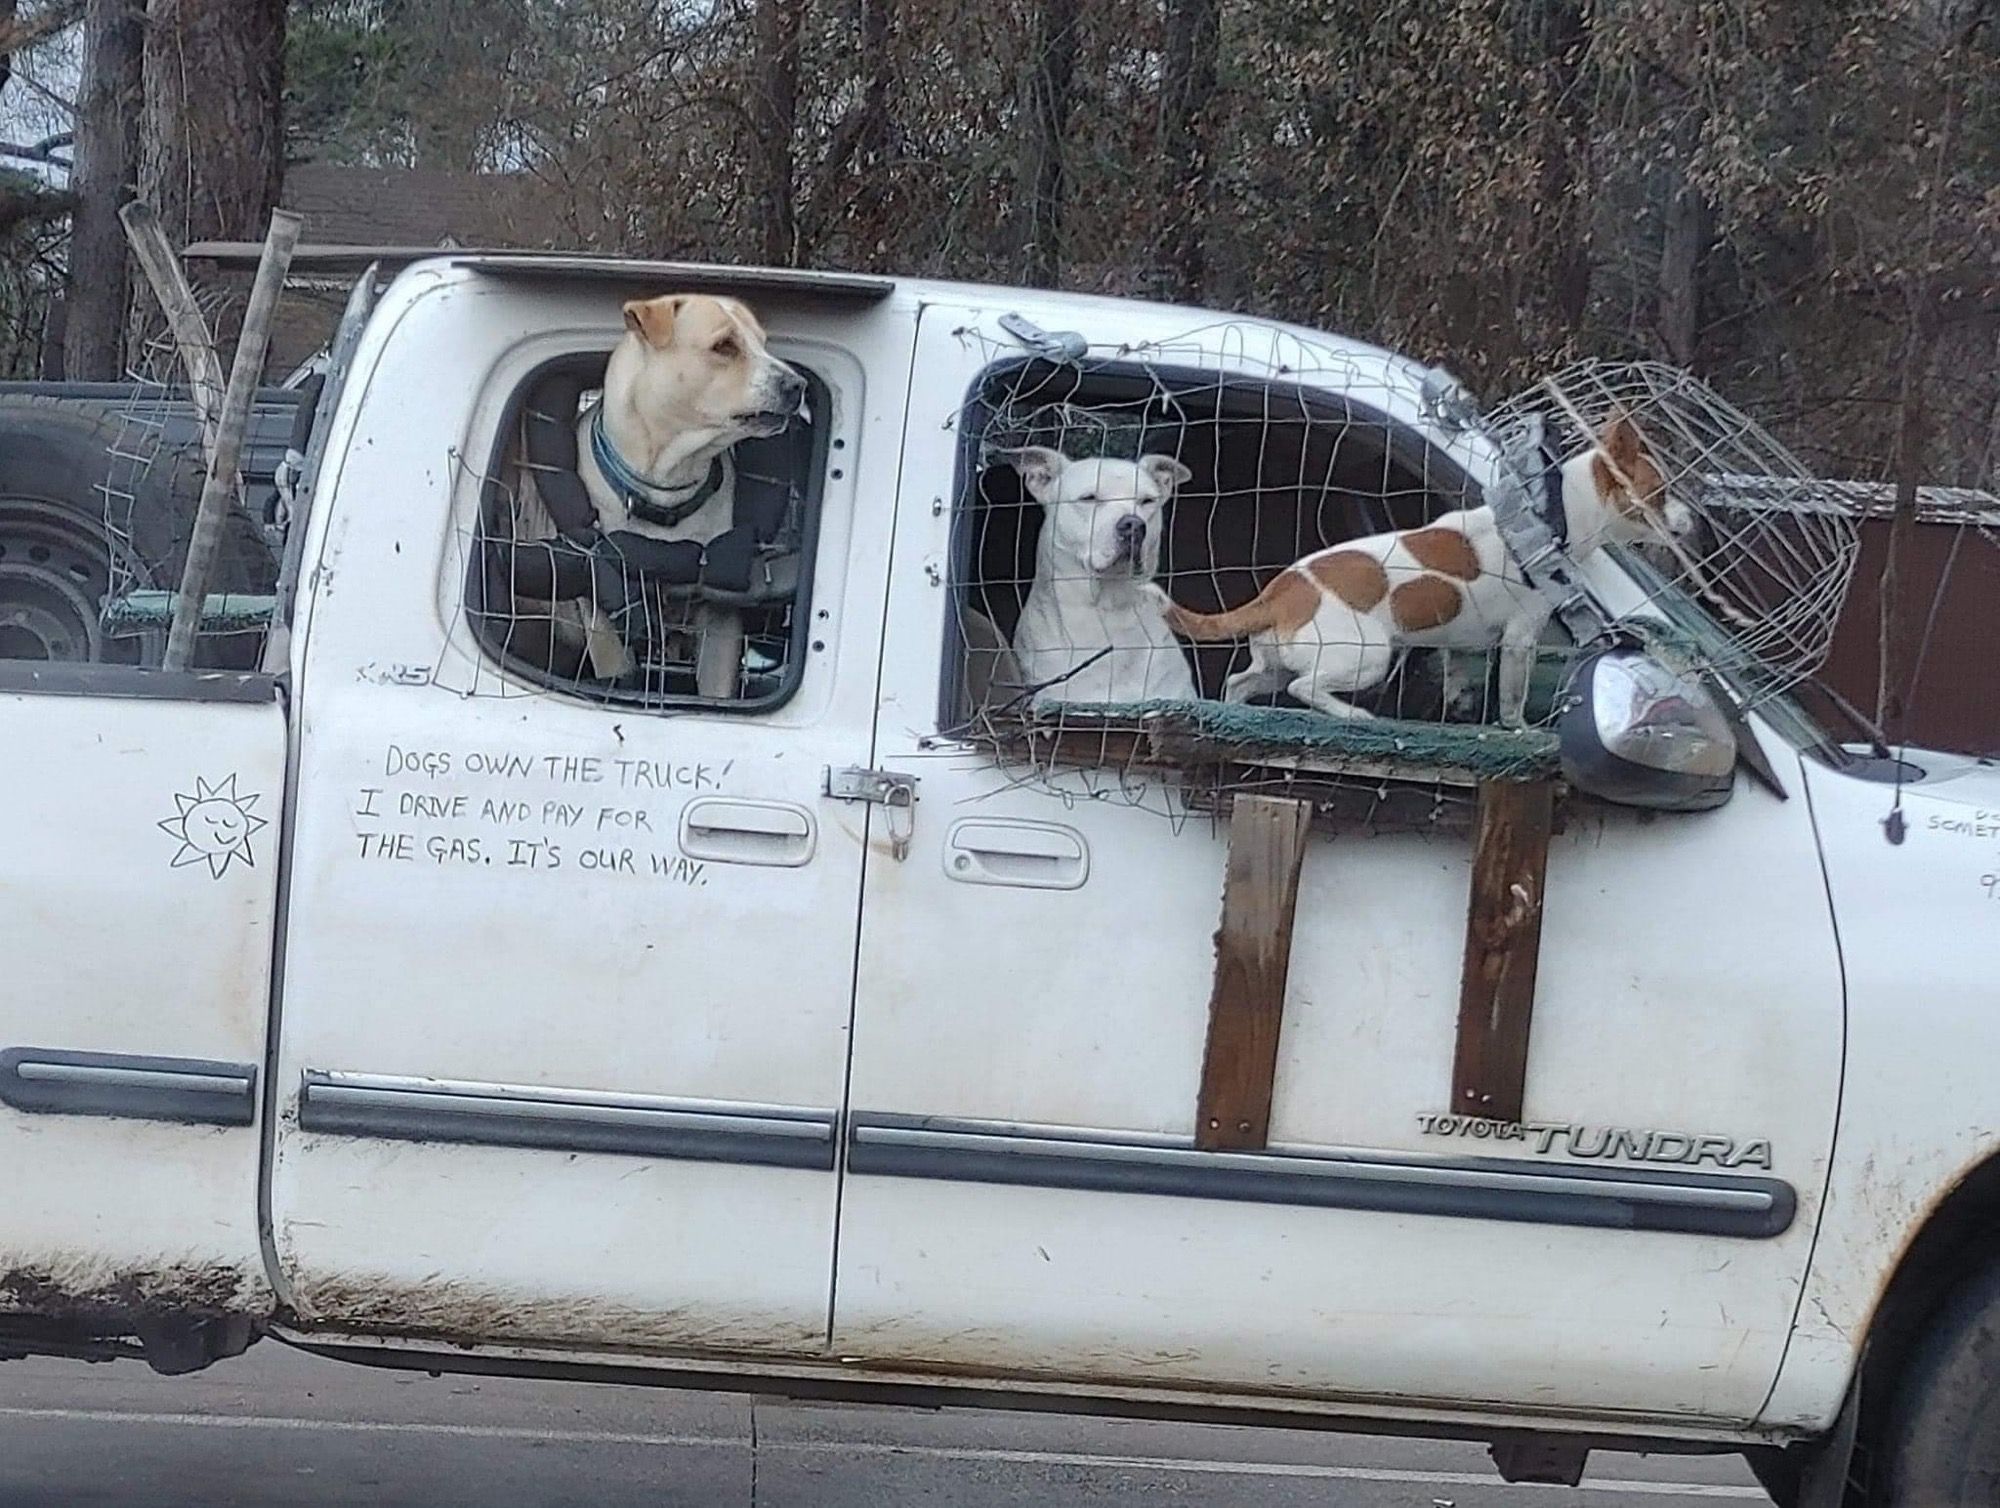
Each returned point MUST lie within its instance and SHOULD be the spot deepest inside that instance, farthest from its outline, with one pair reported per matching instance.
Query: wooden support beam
(1503, 940)
(192, 339)
(1253, 955)
(231, 423)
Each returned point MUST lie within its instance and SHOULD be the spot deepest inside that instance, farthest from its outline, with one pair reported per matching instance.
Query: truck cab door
(568, 985)
(1024, 1194)
(138, 905)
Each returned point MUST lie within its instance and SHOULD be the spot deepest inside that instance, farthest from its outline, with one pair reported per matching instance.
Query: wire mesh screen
(1767, 548)
(625, 614)
(1117, 495)
(150, 489)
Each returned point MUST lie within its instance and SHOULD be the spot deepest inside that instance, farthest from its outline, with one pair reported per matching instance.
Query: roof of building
(422, 206)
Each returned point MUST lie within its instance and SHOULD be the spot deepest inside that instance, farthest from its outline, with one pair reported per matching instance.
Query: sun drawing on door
(214, 825)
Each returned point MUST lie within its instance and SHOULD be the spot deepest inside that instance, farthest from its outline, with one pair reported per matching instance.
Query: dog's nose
(1130, 531)
(791, 387)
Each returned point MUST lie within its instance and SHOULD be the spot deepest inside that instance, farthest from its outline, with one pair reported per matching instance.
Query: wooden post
(217, 488)
(1253, 955)
(192, 338)
(1503, 940)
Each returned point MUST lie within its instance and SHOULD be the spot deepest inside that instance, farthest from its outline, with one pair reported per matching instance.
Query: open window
(626, 619)
(1277, 470)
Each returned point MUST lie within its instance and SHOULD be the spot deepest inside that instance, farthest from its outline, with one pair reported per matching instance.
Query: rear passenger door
(567, 989)
(139, 821)
(1023, 1192)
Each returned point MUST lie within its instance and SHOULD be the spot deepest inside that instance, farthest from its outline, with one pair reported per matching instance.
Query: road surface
(276, 1427)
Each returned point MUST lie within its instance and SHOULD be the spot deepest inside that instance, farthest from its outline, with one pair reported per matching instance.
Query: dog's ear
(1166, 472)
(1041, 469)
(652, 319)
(1621, 443)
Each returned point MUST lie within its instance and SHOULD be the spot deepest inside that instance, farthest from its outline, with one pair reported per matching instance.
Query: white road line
(1188, 1465)
(364, 1427)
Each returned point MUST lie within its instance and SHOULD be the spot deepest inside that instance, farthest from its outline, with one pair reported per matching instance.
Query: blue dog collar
(637, 493)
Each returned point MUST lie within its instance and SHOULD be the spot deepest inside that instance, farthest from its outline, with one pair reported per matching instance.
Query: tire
(58, 558)
(1777, 1472)
(1940, 1444)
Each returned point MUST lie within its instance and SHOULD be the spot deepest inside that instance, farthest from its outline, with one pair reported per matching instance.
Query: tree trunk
(1685, 235)
(9, 10)
(1896, 603)
(858, 141)
(1683, 248)
(1048, 93)
(1564, 37)
(215, 148)
(774, 107)
(107, 150)
(1187, 86)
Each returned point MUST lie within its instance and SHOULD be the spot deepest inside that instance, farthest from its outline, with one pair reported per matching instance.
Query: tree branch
(15, 36)
(41, 151)
(31, 206)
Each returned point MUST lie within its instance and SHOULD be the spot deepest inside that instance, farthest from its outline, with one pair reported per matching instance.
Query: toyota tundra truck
(414, 999)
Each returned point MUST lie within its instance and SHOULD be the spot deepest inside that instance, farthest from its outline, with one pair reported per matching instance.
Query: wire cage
(1240, 450)
(1769, 549)
(555, 601)
(1099, 482)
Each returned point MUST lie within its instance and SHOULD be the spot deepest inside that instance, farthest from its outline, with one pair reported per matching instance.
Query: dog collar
(638, 494)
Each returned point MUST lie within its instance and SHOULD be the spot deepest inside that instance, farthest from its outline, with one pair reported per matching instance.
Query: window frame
(819, 399)
(1408, 446)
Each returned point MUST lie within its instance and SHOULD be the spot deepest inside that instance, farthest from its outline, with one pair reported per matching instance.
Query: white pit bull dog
(689, 380)
(1334, 622)
(1087, 611)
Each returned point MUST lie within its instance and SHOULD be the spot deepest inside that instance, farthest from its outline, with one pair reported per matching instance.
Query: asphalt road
(278, 1427)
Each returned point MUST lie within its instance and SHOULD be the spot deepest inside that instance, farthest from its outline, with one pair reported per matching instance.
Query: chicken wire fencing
(151, 489)
(559, 599)
(1108, 482)
(1134, 515)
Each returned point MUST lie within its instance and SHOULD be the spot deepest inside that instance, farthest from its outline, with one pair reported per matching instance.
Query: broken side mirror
(1636, 733)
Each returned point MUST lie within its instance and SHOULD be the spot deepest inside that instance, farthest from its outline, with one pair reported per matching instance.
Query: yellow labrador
(691, 377)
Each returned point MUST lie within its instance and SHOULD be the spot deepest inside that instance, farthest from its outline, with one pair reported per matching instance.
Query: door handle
(1004, 851)
(739, 830)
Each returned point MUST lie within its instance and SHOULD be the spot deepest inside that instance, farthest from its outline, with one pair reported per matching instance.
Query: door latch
(897, 794)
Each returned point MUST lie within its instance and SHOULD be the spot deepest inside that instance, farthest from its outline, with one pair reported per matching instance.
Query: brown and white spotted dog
(1332, 623)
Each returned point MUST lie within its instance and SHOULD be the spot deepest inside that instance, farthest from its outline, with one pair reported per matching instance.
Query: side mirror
(1638, 734)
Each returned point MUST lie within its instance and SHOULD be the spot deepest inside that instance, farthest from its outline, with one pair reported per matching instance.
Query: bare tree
(17, 35)
(1687, 230)
(1561, 36)
(1047, 96)
(107, 151)
(10, 11)
(774, 113)
(857, 142)
(214, 137)
(1187, 90)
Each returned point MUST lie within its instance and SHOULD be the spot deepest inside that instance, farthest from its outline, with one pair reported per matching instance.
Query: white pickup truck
(411, 1004)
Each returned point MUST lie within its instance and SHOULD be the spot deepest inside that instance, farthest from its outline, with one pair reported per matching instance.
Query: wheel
(58, 558)
(54, 572)
(1940, 1445)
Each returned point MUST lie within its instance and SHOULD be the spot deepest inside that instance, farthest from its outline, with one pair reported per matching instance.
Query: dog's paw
(1157, 595)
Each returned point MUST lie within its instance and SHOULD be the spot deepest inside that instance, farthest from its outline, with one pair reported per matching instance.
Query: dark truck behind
(98, 487)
